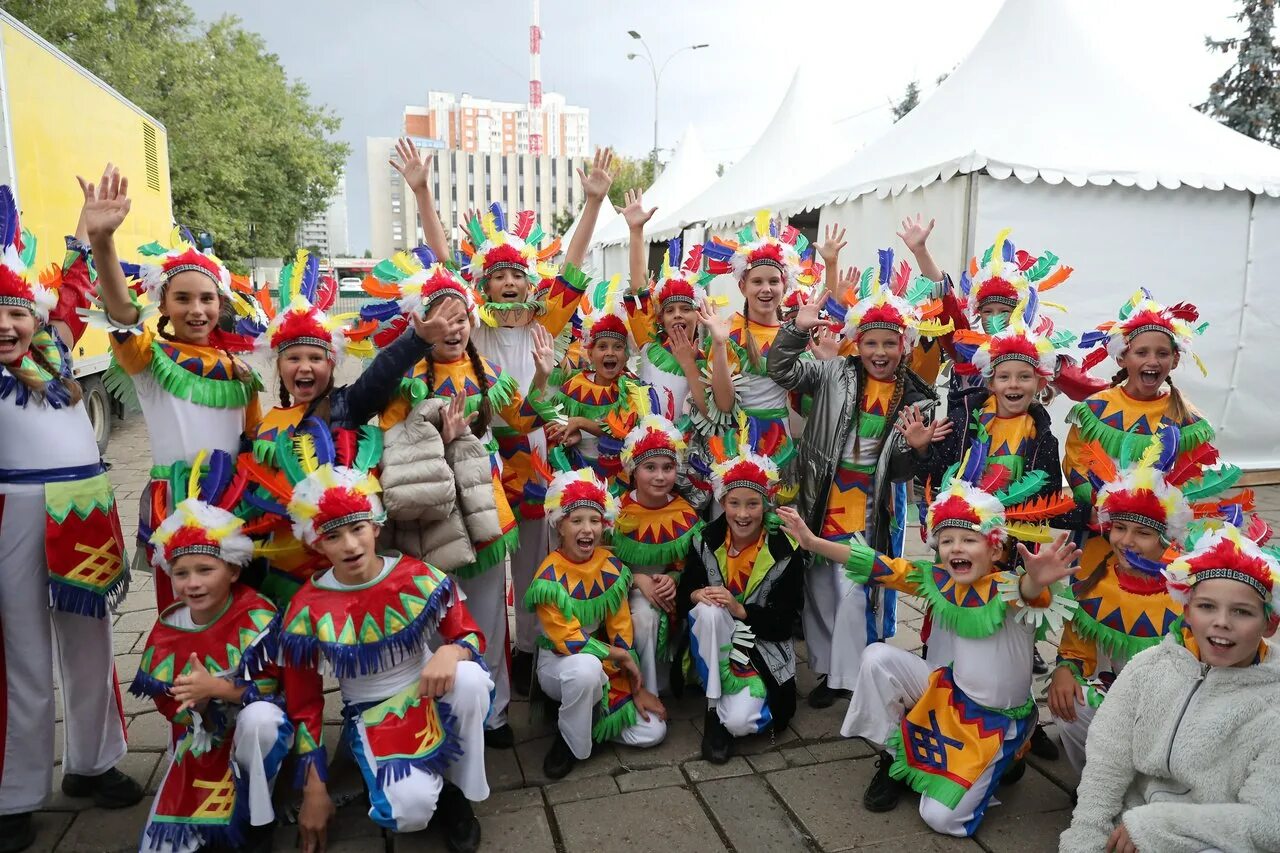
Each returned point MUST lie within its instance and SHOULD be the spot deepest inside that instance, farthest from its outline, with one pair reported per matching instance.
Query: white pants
(407, 804)
(711, 628)
(487, 601)
(1074, 734)
(835, 623)
(260, 743)
(576, 682)
(525, 559)
(35, 639)
(644, 627)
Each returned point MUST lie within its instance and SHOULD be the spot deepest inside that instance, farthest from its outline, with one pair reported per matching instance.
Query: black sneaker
(1014, 774)
(457, 819)
(521, 672)
(560, 759)
(717, 743)
(822, 696)
(17, 832)
(1038, 666)
(1042, 746)
(110, 790)
(883, 793)
(258, 839)
(500, 738)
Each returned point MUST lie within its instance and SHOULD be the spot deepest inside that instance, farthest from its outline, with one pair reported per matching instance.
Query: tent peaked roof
(690, 172)
(796, 147)
(1036, 99)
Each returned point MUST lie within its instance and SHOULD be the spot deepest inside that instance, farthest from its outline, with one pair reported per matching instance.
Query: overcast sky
(368, 60)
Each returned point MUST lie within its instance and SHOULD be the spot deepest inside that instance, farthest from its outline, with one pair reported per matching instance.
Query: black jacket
(351, 406)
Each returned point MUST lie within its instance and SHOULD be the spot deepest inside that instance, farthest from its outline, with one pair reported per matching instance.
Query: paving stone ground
(799, 790)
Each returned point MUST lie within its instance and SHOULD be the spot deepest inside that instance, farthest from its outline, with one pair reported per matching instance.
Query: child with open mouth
(587, 647)
(1181, 756)
(210, 666)
(953, 727)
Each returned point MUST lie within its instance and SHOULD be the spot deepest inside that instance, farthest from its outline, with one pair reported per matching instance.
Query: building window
(537, 169)
(522, 196)
(553, 169)
(537, 194)
(554, 202)
(521, 168)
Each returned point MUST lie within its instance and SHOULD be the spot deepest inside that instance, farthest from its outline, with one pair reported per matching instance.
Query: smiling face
(1148, 360)
(881, 352)
(352, 549)
(507, 285)
(203, 583)
(193, 304)
(608, 358)
(580, 532)
(1138, 538)
(1228, 621)
(305, 371)
(654, 479)
(679, 315)
(1014, 384)
(17, 327)
(744, 510)
(966, 555)
(762, 289)
(454, 345)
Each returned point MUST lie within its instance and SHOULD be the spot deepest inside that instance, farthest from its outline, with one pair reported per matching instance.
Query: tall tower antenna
(535, 82)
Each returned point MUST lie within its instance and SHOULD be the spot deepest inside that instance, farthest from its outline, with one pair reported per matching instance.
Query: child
(62, 554)
(741, 592)
(506, 263)
(950, 727)
(194, 393)
(652, 536)
(1182, 755)
(414, 283)
(586, 660)
(869, 429)
(407, 656)
(308, 345)
(1125, 606)
(209, 666)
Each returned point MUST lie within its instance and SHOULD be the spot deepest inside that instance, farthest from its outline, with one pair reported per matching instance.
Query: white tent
(690, 172)
(1037, 131)
(606, 218)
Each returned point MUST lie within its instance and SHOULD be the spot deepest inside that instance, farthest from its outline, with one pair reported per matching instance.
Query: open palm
(106, 204)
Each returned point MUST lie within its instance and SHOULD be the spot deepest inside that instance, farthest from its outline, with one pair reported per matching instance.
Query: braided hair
(35, 382)
(485, 413)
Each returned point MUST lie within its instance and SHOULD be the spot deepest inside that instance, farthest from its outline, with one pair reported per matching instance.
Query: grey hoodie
(1186, 756)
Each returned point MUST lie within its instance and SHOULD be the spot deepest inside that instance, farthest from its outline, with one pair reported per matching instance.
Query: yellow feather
(1204, 371)
(489, 225)
(1029, 532)
(193, 482)
(997, 259)
(762, 224)
(361, 349)
(306, 449)
(1151, 454)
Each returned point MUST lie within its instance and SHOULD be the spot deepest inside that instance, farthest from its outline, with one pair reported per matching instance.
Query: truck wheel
(98, 405)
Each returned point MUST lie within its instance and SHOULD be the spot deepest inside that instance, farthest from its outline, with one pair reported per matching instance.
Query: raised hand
(453, 419)
(106, 204)
(445, 318)
(682, 348)
(846, 280)
(544, 350)
(825, 345)
(415, 169)
(832, 242)
(1051, 562)
(809, 316)
(919, 434)
(795, 527)
(596, 184)
(915, 234)
(633, 211)
(717, 327)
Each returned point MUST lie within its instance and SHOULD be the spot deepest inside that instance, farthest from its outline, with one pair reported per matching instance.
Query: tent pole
(970, 220)
(1244, 312)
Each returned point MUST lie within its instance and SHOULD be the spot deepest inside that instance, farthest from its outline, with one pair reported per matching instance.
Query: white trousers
(487, 601)
(262, 738)
(644, 628)
(890, 684)
(835, 623)
(528, 555)
(36, 639)
(1075, 733)
(711, 628)
(407, 804)
(577, 683)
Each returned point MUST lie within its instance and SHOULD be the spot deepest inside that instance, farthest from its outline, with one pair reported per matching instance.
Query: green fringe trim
(662, 652)
(201, 390)
(872, 426)
(575, 278)
(490, 555)
(589, 611)
(731, 684)
(577, 409)
(1114, 642)
(548, 410)
(663, 360)
(860, 563)
(744, 361)
(974, 623)
(500, 394)
(611, 725)
(119, 384)
(635, 553)
(593, 647)
(1116, 442)
(928, 785)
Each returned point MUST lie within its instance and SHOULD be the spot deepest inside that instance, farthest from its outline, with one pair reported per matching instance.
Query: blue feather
(217, 477)
(975, 462)
(717, 252)
(1232, 514)
(1089, 340)
(835, 309)
(1033, 306)
(499, 216)
(186, 234)
(886, 265)
(965, 284)
(460, 259)
(966, 351)
(1142, 564)
(1169, 435)
(8, 217)
(1007, 251)
(310, 278)
(425, 256)
(264, 503)
(321, 438)
(249, 327)
(132, 271)
(379, 311)
(773, 228)
(674, 246)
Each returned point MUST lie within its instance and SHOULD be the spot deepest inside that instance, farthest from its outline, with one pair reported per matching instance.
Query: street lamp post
(657, 70)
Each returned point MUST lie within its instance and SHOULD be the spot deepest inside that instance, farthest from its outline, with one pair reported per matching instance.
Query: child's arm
(596, 186)
(1077, 659)
(1077, 471)
(75, 290)
(785, 363)
(378, 386)
(774, 619)
(636, 217)
(694, 577)
(105, 208)
(918, 430)
(862, 564)
(1051, 563)
(717, 327)
(915, 234)
(832, 242)
(417, 175)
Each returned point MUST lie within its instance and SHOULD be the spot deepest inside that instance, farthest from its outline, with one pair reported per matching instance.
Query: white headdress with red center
(892, 300)
(681, 280)
(580, 489)
(164, 262)
(412, 282)
(1141, 314)
(20, 287)
(1008, 275)
(489, 246)
(654, 436)
(607, 319)
(202, 521)
(747, 471)
(765, 242)
(1231, 552)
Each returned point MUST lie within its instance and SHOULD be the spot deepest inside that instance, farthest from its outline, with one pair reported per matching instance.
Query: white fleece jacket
(1187, 757)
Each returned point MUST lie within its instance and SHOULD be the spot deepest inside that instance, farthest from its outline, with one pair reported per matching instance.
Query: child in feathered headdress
(1182, 755)
(587, 657)
(195, 393)
(868, 432)
(952, 726)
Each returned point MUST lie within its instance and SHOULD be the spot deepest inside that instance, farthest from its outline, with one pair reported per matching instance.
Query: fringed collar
(973, 611)
(654, 537)
(588, 591)
(1122, 621)
(459, 377)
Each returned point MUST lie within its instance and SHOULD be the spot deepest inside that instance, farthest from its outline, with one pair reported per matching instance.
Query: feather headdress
(653, 436)
(1141, 313)
(580, 489)
(1231, 552)
(19, 288)
(180, 256)
(202, 521)
(412, 282)
(489, 245)
(893, 300)
(681, 280)
(608, 318)
(1007, 276)
(765, 242)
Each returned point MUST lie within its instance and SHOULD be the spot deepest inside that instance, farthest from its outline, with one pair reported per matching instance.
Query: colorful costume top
(851, 489)
(201, 800)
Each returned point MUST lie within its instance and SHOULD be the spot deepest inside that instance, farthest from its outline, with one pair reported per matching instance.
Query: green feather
(748, 234)
(1023, 489)
(385, 270)
(986, 256)
(152, 249)
(865, 283)
(287, 458)
(1214, 482)
(996, 323)
(28, 253)
(802, 243)
(476, 230)
(536, 236)
(920, 288)
(1042, 267)
(951, 473)
(369, 448)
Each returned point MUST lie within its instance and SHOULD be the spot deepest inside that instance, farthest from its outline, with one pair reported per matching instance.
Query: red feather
(901, 279)
(524, 223)
(1185, 311)
(344, 445)
(540, 467)
(995, 479)
(326, 293)
(1258, 530)
(1191, 464)
(1094, 358)
(234, 490)
(390, 332)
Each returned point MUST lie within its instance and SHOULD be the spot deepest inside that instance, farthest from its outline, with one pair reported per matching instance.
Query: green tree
(910, 98)
(561, 220)
(1245, 98)
(251, 157)
(629, 173)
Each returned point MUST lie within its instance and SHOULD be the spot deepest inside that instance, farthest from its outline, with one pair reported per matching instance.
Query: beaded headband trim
(172, 271)
(609, 334)
(679, 297)
(504, 265)
(350, 518)
(1016, 356)
(1140, 519)
(959, 523)
(207, 550)
(1007, 301)
(767, 262)
(309, 341)
(18, 302)
(656, 451)
(882, 324)
(1147, 327)
(1233, 575)
(746, 484)
(582, 503)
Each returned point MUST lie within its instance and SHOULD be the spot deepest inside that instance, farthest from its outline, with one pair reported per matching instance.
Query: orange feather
(380, 289)
(1042, 508)
(1059, 275)
(540, 467)
(1097, 461)
(274, 482)
(549, 251)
